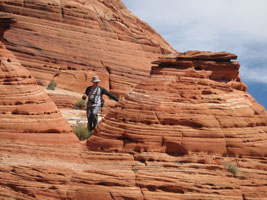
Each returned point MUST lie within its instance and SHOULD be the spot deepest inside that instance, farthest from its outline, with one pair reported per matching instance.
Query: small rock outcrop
(193, 102)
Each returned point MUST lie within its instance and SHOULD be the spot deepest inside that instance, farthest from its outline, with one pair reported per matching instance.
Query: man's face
(95, 84)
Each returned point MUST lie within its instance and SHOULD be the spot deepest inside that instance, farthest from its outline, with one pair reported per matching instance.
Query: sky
(236, 26)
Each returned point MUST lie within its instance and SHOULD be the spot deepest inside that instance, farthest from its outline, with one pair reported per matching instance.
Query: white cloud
(237, 26)
(257, 75)
(245, 18)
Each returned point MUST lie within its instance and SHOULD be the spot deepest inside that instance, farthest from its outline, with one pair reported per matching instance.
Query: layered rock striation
(191, 111)
(40, 157)
(70, 174)
(193, 102)
(67, 40)
(26, 112)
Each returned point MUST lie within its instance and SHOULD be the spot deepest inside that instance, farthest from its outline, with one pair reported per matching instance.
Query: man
(95, 101)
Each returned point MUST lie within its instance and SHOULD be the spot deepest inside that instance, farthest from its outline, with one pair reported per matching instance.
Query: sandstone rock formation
(74, 173)
(70, 39)
(193, 102)
(40, 158)
(26, 111)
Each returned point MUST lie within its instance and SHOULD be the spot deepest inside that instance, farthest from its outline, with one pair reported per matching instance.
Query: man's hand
(84, 96)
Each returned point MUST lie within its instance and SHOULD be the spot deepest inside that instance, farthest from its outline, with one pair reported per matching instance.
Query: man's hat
(95, 79)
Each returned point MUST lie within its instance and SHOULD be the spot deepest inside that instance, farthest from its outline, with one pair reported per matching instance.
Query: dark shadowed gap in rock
(51, 131)
(198, 68)
(21, 189)
(62, 12)
(18, 103)
(181, 122)
(29, 102)
(151, 188)
(18, 112)
(206, 92)
(173, 189)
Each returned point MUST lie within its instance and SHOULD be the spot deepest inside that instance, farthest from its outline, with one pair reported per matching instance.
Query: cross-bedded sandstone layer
(71, 40)
(25, 110)
(193, 102)
(38, 164)
(50, 172)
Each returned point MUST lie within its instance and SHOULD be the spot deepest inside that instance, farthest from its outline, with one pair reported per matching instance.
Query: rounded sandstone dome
(189, 104)
(24, 106)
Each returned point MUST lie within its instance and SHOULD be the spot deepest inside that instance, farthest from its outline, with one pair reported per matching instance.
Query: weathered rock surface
(193, 102)
(24, 106)
(74, 173)
(67, 38)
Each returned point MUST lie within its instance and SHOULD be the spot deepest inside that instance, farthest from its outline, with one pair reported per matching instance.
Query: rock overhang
(217, 66)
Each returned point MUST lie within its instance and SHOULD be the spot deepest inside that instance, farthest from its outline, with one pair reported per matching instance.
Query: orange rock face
(193, 102)
(40, 158)
(25, 108)
(206, 133)
(63, 39)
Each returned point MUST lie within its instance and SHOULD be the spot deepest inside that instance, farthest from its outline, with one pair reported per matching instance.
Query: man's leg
(94, 115)
(89, 119)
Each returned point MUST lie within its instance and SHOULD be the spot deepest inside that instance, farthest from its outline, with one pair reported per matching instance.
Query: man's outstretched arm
(112, 96)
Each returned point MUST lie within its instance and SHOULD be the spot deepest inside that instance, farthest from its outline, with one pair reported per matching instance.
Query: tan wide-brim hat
(95, 79)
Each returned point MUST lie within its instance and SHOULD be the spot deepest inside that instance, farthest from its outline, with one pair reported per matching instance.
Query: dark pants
(92, 117)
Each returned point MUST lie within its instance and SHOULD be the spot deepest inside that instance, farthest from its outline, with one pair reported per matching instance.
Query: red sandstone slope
(56, 166)
(193, 102)
(64, 39)
(27, 113)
